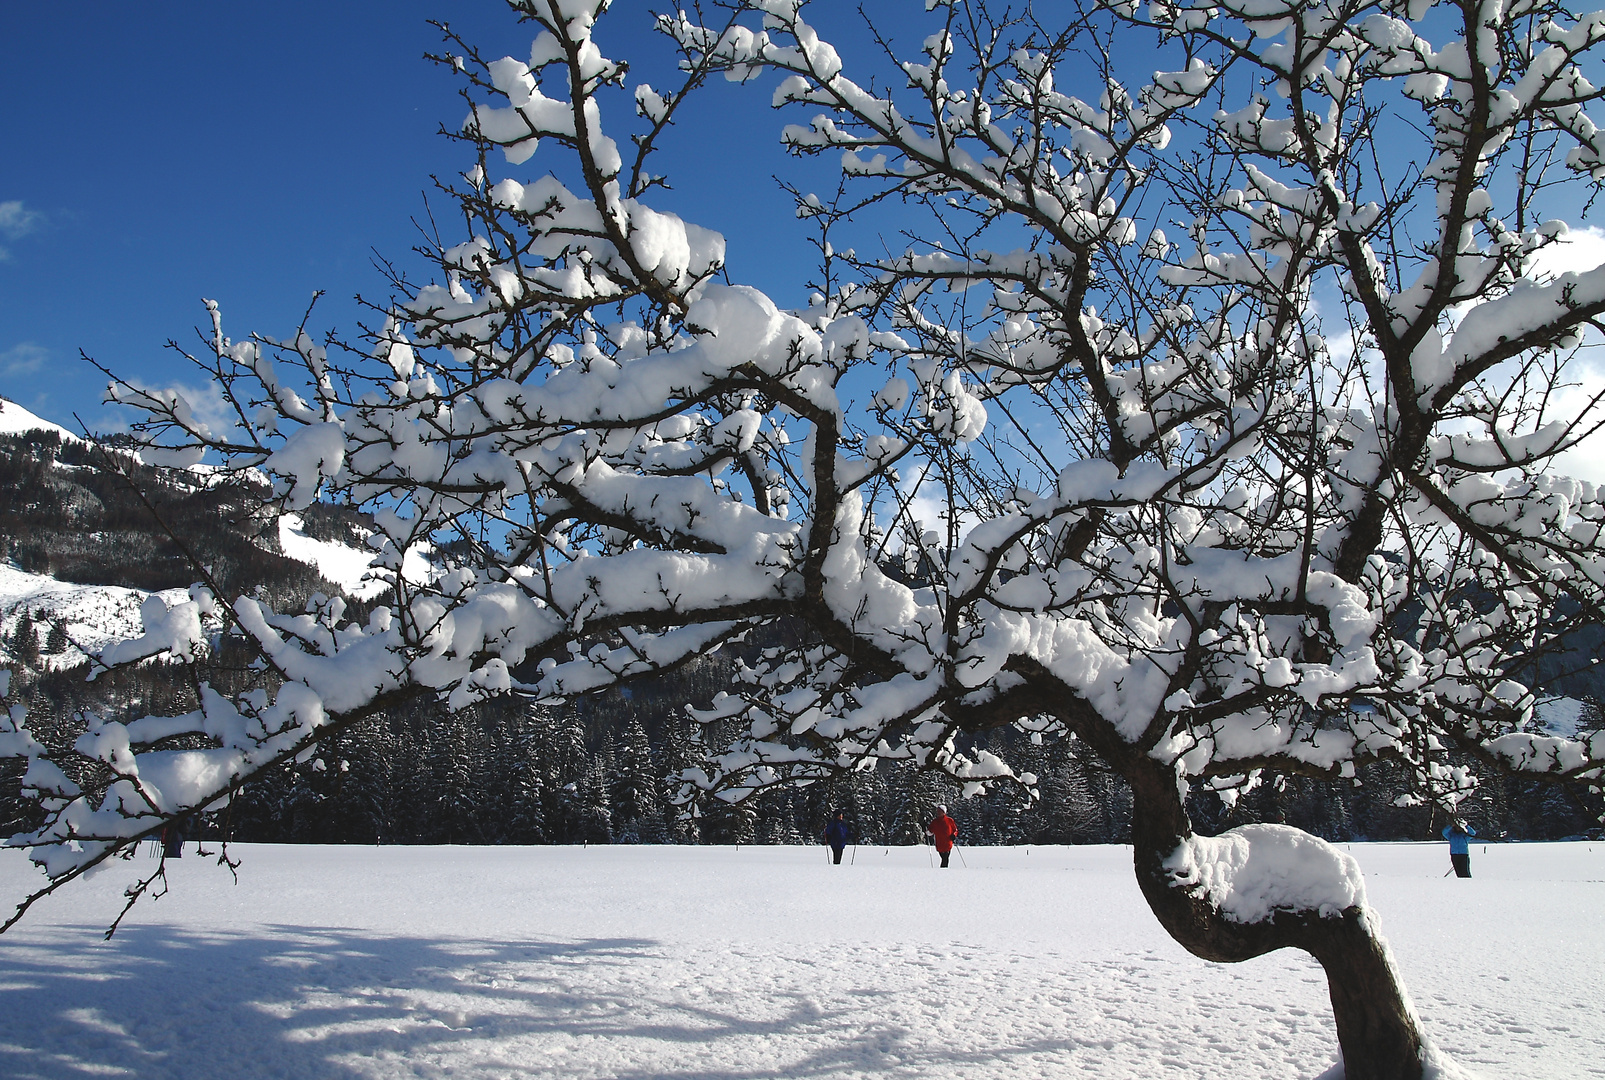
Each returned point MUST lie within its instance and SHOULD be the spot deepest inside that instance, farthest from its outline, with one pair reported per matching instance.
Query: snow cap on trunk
(1251, 872)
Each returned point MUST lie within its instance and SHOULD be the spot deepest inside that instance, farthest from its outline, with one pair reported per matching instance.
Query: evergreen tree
(679, 751)
(413, 780)
(559, 745)
(729, 823)
(1084, 817)
(526, 803)
(56, 641)
(518, 787)
(24, 640)
(454, 753)
(594, 804)
(868, 793)
(362, 806)
(1031, 821)
(777, 819)
(637, 813)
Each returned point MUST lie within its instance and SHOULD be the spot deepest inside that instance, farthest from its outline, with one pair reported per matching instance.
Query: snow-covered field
(757, 962)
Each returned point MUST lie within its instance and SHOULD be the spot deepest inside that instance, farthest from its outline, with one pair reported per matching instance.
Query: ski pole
(854, 860)
(962, 861)
(928, 860)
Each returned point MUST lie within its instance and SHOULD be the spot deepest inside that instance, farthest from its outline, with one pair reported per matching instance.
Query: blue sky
(155, 154)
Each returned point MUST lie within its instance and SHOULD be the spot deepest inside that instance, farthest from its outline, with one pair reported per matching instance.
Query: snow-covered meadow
(763, 962)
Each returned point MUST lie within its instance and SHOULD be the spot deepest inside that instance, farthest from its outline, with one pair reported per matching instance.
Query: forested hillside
(602, 770)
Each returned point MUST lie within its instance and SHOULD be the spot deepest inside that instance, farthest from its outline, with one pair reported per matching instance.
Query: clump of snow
(178, 779)
(169, 628)
(307, 457)
(1251, 872)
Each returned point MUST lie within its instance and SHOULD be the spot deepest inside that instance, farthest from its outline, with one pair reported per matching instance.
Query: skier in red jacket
(943, 833)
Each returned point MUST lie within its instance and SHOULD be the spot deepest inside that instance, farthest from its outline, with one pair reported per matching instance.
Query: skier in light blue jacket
(1459, 835)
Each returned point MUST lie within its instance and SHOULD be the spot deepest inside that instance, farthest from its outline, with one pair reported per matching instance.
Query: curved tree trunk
(1377, 1029)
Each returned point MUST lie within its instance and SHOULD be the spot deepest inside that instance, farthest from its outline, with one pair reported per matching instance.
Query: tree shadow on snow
(165, 1003)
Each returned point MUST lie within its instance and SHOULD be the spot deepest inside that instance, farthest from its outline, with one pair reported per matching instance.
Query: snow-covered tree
(592, 805)
(1212, 415)
(677, 753)
(518, 777)
(455, 752)
(24, 640)
(637, 816)
(56, 641)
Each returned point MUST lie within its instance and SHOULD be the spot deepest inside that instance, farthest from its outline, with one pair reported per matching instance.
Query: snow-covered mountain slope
(95, 615)
(342, 564)
(80, 550)
(1560, 715)
(339, 563)
(14, 420)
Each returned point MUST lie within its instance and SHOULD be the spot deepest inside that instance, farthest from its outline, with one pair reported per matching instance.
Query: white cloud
(16, 221)
(24, 358)
(206, 404)
(1585, 376)
(1579, 250)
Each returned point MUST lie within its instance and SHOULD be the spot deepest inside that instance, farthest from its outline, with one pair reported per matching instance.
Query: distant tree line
(605, 769)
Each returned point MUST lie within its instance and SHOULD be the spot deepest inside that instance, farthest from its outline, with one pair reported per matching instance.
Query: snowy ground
(763, 962)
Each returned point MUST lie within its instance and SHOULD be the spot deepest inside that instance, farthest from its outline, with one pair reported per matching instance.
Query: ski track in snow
(753, 962)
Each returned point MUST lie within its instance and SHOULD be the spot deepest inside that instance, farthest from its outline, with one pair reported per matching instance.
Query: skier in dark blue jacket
(1459, 835)
(173, 841)
(836, 834)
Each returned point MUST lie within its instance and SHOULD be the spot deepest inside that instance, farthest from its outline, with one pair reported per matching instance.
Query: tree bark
(1378, 1033)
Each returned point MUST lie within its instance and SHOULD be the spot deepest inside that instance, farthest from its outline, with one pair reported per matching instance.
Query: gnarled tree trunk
(1377, 1029)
